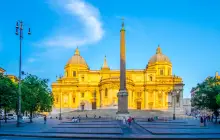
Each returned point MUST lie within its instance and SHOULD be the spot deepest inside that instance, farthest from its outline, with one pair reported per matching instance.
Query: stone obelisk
(122, 94)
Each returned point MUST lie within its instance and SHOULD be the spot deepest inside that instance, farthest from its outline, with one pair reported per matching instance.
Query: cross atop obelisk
(122, 94)
(123, 24)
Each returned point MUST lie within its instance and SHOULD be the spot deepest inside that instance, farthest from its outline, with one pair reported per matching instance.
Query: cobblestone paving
(108, 128)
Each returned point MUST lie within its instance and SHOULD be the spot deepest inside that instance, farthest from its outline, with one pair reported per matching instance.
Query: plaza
(108, 127)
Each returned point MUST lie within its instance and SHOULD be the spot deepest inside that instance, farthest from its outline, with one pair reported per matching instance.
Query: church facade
(148, 89)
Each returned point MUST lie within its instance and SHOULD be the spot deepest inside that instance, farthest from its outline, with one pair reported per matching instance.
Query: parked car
(10, 116)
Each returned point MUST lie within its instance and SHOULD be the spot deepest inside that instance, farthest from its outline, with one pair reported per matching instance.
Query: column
(122, 94)
(181, 98)
(70, 100)
(154, 99)
(77, 99)
(146, 99)
(164, 99)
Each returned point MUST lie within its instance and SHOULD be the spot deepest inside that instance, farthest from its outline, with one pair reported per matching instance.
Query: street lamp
(174, 93)
(60, 117)
(174, 98)
(19, 31)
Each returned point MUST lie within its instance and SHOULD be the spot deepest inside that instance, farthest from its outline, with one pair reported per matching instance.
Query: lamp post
(174, 93)
(60, 116)
(174, 98)
(19, 31)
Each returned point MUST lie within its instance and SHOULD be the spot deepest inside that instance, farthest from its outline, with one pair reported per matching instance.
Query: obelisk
(122, 94)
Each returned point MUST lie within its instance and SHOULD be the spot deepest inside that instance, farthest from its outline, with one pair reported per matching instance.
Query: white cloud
(87, 14)
(31, 60)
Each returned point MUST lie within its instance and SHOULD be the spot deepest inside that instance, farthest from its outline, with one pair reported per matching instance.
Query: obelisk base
(122, 105)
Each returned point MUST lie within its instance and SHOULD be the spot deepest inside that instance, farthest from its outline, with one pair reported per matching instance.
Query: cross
(122, 21)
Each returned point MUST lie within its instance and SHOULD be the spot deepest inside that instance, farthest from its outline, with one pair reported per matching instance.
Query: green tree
(218, 99)
(205, 97)
(36, 95)
(8, 94)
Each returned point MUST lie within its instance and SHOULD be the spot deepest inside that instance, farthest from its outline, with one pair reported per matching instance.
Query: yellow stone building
(149, 88)
(216, 75)
(12, 77)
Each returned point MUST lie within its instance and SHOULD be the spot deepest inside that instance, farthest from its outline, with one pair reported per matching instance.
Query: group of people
(206, 118)
(76, 120)
(203, 120)
(128, 121)
(150, 119)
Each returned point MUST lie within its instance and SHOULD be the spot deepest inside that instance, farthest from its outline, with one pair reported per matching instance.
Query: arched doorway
(93, 105)
(82, 104)
(139, 105)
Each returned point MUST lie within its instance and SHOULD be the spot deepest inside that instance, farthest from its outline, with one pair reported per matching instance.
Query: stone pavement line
(90, 127)
(133, 136)
(143, 127)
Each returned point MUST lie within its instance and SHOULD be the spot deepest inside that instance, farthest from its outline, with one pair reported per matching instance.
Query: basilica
(150, 88)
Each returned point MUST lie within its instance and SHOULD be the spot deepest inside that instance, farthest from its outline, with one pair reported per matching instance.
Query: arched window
(82, 78)
(150, 78)
(74, 99)
(74, 73)
(106, 92)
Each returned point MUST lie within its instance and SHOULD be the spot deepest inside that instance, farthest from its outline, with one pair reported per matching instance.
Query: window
(161, 71)
(74, 73)
(106, 92)
(82, 95)
(151, 78)
(82, 78)
(177, 98)
(74, 99)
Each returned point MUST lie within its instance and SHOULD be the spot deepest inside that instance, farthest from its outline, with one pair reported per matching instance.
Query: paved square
(109, 128)
(87, 126)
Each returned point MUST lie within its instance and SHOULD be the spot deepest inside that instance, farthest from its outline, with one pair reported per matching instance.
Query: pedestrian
(124, 121)
(201, 121)
(129, 122)
(78, 118)
(45, 119)
(205, 121)
(132, 119)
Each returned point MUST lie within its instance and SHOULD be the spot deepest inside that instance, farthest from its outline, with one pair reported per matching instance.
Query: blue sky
(188, 32)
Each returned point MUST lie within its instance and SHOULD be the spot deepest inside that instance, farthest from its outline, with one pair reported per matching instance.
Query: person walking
(124, 121)
(129, 122)
(45, 119)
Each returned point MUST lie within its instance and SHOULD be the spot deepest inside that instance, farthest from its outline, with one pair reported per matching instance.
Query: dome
(76, 59)
(159, 57)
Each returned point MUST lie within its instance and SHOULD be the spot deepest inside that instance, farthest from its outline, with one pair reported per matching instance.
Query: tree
(205, 97)
(8, 94)
(36, 95)
(218, 99)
